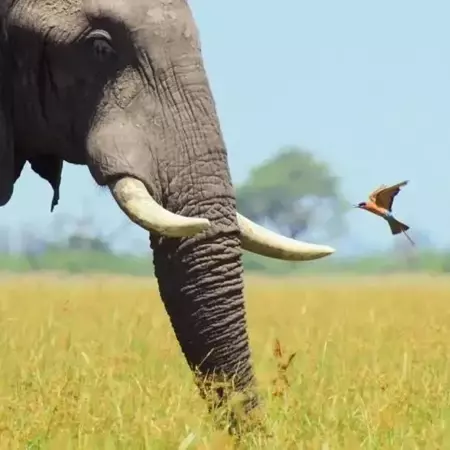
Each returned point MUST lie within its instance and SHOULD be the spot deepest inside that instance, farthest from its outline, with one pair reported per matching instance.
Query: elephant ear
(7, 169)
(12, 160)
(49, 167)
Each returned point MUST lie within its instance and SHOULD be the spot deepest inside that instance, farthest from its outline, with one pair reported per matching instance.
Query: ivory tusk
(260, 240)
(136, 202)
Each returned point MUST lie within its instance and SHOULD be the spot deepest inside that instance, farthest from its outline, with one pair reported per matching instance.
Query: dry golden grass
(93, 364)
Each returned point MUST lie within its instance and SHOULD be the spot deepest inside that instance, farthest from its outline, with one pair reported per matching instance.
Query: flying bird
(380, 203)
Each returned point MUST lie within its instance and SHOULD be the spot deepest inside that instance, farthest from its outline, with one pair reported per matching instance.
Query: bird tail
(397, 227)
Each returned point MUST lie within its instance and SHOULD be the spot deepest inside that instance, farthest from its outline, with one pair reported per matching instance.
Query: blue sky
(365, 85)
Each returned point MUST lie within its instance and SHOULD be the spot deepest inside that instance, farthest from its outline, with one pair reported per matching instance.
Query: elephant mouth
(135, 201)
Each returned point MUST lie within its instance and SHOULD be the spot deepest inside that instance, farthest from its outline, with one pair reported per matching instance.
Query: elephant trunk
(200, 276)
(201, 284)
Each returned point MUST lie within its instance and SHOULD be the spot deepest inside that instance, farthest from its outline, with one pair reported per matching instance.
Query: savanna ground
(91, 363)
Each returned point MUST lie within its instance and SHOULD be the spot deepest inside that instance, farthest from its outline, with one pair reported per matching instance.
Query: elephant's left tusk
(137, 203)
(260, 240)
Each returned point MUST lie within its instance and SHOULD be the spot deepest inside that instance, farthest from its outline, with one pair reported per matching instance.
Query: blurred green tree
(293, 192)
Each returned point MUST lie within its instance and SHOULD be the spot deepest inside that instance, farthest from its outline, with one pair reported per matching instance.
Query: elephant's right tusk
(260, 240)
(136, 202)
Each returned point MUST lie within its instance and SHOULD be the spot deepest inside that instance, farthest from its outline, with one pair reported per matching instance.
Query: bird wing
(373, 195)
(384, 195)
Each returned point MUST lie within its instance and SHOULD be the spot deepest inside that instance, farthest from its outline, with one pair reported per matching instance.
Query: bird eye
(101, 44)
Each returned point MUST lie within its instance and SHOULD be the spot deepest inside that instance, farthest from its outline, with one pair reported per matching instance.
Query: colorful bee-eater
(380, 203)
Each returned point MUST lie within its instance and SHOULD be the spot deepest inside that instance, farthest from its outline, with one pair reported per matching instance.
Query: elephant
(121, 87)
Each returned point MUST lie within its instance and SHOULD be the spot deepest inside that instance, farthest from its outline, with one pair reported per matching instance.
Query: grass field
(93, 364)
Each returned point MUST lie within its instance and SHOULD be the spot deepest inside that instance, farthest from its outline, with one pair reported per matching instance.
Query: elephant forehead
(138, 14)
(153, 23)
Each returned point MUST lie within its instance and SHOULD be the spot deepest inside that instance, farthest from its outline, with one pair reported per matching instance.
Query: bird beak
(355, 206)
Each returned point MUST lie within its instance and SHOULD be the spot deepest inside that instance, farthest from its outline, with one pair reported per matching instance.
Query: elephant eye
(101, 42)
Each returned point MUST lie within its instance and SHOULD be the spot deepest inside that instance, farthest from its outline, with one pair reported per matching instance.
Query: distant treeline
(81, 261)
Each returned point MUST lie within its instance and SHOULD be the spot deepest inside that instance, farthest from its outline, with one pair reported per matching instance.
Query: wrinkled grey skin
(144, 109)
(120, 86)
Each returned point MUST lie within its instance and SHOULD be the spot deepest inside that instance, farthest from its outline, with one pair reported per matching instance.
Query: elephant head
(120, 86)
